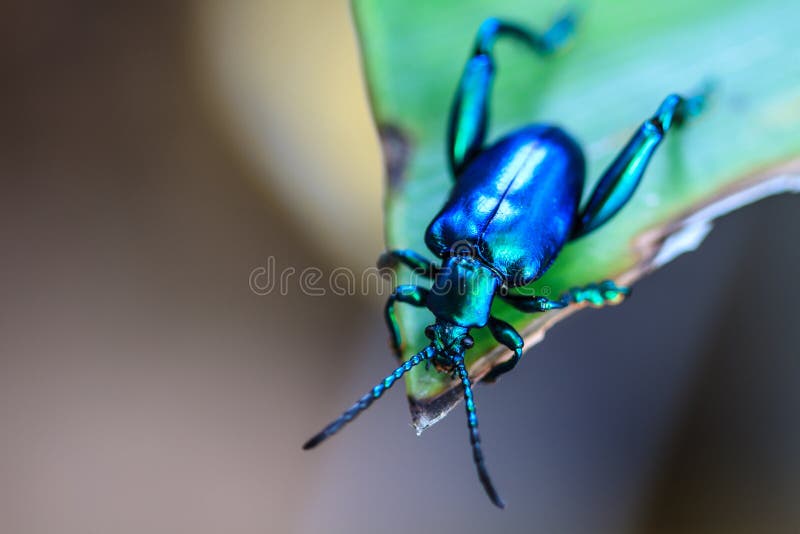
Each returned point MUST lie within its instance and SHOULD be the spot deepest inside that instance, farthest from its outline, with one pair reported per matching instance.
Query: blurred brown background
(154, 154)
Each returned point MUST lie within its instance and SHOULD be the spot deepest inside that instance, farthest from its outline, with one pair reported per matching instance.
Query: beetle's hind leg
(620, 180)
(469, 115)
(414, 295)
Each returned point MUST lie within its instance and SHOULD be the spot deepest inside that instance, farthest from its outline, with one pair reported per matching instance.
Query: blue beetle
(513, 207)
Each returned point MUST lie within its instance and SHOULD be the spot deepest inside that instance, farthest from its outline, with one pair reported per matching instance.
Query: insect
(514, 205)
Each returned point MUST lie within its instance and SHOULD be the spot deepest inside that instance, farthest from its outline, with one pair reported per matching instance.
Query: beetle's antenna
(474, 437)
(364, 402)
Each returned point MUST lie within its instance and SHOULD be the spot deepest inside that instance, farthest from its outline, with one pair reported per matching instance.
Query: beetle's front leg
(506, 335)
(414, 295)
(418, 263)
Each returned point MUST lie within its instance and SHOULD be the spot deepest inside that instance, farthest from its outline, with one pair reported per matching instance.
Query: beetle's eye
(468, 342)
(429, 332)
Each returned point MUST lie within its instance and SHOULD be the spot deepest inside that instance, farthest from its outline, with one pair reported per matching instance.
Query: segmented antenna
(474, 436)
(365, 401)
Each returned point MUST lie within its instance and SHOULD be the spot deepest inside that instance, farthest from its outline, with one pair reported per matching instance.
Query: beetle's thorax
(463, 291)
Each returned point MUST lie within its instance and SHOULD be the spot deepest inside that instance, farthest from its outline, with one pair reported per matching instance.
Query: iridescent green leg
(469, 115)
(606, 292)
(533, 304)
(601, 294)
(597, 295)
(413, 260)
(622, 177)
(413, 295)
(506, 335)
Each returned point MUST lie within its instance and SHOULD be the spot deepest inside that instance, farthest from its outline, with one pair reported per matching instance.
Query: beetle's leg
(414, 295)
(469, 114)
(623, 175)
(597, 295)
(601, 294)
(413, 260)
(506, 335)
(606, 292)
(533, 304)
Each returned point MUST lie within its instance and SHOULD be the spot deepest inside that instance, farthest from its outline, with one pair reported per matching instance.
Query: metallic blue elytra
(515, 204)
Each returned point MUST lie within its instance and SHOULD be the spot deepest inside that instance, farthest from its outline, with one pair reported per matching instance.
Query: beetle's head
(449, 341)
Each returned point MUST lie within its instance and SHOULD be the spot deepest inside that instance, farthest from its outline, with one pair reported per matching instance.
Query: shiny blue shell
(516, 203)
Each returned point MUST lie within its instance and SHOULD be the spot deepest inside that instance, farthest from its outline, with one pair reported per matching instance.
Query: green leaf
(626, 57)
